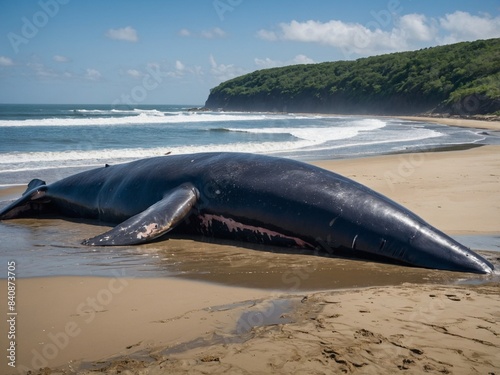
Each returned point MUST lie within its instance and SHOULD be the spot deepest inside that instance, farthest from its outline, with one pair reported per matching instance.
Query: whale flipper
(31, 201)
(153, 222)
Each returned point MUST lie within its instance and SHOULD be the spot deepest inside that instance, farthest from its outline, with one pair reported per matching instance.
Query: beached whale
(246, 197)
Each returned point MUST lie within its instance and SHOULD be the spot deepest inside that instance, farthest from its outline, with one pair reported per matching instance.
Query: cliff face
(462, 79)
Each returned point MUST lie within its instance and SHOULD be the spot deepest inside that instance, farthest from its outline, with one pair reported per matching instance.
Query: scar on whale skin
(148, 230)
(235, 226)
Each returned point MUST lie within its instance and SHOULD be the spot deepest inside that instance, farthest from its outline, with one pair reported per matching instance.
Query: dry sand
(154, 326)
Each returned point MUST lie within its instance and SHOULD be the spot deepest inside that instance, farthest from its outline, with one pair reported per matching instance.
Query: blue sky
(173, 52)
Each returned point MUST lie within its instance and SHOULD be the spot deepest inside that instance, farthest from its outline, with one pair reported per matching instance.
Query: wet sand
(460, 122)
(155, 326)
(282, 320)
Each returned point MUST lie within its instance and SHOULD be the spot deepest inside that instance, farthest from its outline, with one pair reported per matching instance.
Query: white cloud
(184, 32)
(302, 59)
(416, 27)
(45, 73)
(197, 71)
(153, 66)
(213, 33)
(179, 71)
(409, 31)
(269, 63)
(179, 65)
(224, 72)
(216, 32)
(462, 26)
(351, 37)
(41, 71)
(128, 34)
(267, 35)
(61, 59)
(92, 75)
(134, 73)
(6, 61)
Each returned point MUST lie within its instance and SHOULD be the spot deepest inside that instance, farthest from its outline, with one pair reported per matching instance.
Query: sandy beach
(461, 122)
(292, 318)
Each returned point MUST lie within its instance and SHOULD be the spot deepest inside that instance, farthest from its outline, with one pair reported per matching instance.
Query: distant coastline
(488, 122)
(457, 80)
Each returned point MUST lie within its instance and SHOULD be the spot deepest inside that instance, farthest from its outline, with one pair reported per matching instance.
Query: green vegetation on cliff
(462, 78)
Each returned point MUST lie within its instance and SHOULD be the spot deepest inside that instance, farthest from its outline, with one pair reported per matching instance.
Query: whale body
(246, 197)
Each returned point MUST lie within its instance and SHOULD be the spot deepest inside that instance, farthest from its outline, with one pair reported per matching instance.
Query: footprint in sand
(453, 297)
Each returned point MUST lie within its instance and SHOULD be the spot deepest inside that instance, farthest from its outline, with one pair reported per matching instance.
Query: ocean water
(51, 142)
(54, 141)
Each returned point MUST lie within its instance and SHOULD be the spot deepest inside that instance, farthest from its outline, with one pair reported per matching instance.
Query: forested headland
(458, 79)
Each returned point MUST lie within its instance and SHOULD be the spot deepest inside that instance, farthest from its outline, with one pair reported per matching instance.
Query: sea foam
(140, 117)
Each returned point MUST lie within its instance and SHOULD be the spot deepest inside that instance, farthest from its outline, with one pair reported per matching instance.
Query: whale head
(389, 231)
(437, 250)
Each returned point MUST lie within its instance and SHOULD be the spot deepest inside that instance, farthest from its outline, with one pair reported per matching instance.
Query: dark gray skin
(250, 198)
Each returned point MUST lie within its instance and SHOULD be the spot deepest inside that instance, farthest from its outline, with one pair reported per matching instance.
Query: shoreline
(465, 122)
(180, 325)
(460, 122)
(455, 191)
